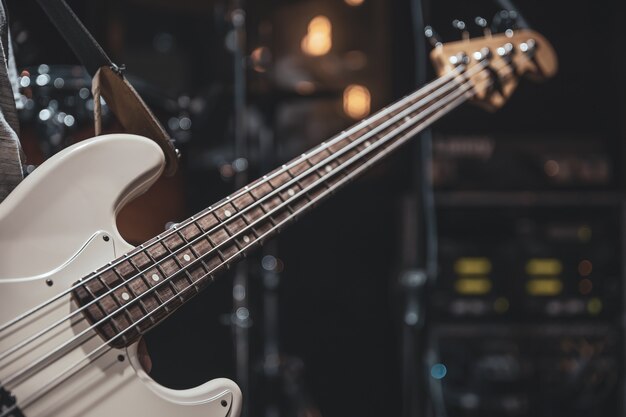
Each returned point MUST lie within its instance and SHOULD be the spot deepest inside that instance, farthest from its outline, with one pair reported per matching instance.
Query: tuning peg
(432, 36)
(481, 22)
(505, 21)
(460, 25)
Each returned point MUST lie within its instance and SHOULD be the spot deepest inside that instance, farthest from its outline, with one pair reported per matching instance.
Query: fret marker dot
(367, 143)
(227, 213)
(125, 296)
(328, 168)
(155, 277)
(246, 239)
(291, 192)
(187, 257)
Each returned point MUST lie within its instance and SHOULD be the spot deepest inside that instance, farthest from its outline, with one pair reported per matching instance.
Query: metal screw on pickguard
(105, 238)
(49, 282)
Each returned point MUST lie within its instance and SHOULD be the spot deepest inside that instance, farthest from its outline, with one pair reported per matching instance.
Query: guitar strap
(109, 82)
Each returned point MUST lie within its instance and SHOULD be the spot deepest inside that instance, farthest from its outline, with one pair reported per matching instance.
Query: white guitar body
(57, 226)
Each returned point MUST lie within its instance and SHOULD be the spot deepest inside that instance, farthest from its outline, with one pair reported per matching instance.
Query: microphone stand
(419, 254)
(241, 320)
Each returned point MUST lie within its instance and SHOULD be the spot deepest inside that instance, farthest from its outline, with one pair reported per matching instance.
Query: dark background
(339, 302)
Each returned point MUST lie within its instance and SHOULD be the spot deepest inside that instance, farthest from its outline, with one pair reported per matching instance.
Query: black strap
(84, 45)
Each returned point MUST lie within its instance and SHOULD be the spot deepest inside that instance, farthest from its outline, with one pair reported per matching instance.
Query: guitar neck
(129, 296)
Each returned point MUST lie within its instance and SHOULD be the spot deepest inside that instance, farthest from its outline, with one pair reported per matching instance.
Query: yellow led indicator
(594, 306)
(584, 233)
(473, 286)
(472, 266)
(501, 305)
(544, 287)
(544, 266)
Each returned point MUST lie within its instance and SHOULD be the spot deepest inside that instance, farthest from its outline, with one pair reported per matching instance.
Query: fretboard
(127, 297)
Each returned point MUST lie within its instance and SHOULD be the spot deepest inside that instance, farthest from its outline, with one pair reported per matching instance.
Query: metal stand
(419, 260)
(241, 312)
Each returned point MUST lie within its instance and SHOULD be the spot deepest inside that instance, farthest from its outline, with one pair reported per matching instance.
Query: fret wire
(383, 112)
(307, 172)
(348, 177)
(325, 192)
(358, 170)
(134, 325)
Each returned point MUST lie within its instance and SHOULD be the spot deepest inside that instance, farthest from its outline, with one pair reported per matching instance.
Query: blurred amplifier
(529, 263)
(516, 162)
(538, 371)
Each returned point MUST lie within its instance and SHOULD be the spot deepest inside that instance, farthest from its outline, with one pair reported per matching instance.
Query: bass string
(238, 215)
(24, 372)
(459, 99)
(264, 180)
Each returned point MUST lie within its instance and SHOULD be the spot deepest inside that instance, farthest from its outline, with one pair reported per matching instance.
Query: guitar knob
(460, 25)
(432, 37)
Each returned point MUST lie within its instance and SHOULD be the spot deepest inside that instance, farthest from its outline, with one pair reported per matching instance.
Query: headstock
(493, 64)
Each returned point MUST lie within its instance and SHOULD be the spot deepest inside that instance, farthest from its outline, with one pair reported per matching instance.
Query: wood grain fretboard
(127, 297)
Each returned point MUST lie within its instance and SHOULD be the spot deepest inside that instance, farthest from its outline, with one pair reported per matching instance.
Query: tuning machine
(482, 23)
(505, 21)
(460, 25)
(432, 37)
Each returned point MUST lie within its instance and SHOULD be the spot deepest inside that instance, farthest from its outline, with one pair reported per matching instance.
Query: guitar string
(45, 360)
(460, 99)
(42, 361)
(204, 235)
(47, 357)
(70, 371)
(323, 194)
(354, 129)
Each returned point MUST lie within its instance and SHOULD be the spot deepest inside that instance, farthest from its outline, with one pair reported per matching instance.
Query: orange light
(551, 168)
(585, 286)
(585, 267)
(305, 88)
(354, 3)
(259, 57)
(318, 40)
(356, 101)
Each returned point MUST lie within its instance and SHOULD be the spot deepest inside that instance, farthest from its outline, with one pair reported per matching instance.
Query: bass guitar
(75, 298)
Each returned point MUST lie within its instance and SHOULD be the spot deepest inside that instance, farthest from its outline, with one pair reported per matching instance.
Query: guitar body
(56, 227)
